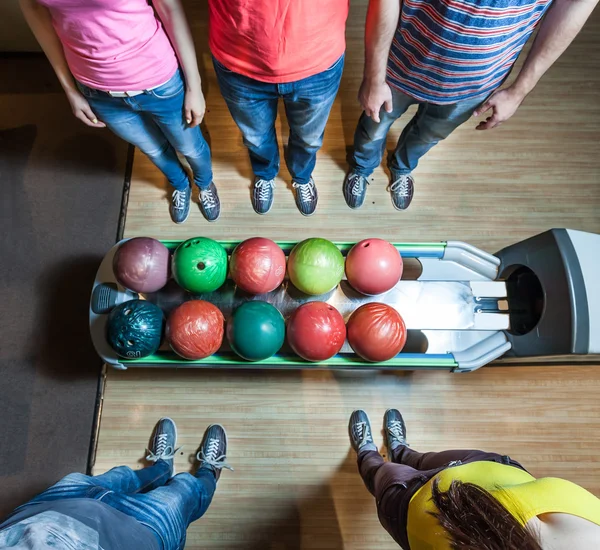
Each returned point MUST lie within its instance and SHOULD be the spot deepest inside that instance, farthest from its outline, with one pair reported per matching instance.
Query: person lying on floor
(469, 499)
(123, 509)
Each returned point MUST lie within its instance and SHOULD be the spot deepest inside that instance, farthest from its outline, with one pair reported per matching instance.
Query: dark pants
(394, 483)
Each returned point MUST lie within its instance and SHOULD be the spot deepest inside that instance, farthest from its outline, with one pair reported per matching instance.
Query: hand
(194, 107)
(372, 96)
(82, 110)
(503, 103)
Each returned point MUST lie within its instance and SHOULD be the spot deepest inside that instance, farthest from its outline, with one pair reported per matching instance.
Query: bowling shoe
(355, 189)
(163, 442)
(395, 429)
(210, 205)
(180, 204)
(359, 428)
(306, 197)
(401, 188)
(212, 454)
(262, 195)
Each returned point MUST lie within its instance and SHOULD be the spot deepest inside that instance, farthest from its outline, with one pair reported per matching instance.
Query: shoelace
(358, 184)
(164, 451)
(305, 190)
(179, 199)
(211, 458)
(363, 433)
(395, 429)
(208, 198)
(402, 186)
(264, 188)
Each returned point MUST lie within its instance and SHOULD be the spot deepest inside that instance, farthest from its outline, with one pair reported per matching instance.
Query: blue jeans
(307, 102)
(163, 504)
(431, 124)
(155, 123)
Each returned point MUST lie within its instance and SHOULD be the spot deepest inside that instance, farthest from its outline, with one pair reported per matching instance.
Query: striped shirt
(445, 51)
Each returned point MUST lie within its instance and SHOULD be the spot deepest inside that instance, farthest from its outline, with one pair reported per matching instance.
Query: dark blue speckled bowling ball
(134, 329)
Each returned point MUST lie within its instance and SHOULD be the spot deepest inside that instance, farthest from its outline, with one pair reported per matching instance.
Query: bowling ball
(256, 330)
(376, 332)
(373, 266)
(316, 331)
(257, 265)
(315, 266)
(195, 329)
(134, 329)
(141, 264)
(200, 265)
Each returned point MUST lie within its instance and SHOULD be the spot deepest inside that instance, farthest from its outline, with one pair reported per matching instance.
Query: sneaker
(210, 205)
(401, 188)
(395, 429)
(306, 197)
(180, 204)
(262, 195)
(212, 454)
(163, 442)
(355, 189)
(359, 429)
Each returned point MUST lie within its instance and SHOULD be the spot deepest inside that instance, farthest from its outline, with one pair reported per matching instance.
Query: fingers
(375, 116)
(483, 108)
(196, 119)
(489, 123)
(388, 106)
(187, 113)
(89, 118)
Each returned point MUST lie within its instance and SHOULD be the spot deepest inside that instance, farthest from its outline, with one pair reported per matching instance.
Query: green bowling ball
(200, 265)
(315, 266)
(256, 330)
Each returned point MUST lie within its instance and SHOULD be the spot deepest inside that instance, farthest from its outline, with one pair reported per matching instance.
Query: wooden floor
(295, 484)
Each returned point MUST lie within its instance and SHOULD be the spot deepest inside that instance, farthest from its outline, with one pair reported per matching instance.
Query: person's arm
(173, 18)
(39, 20)
(382, 20)
(560, 26)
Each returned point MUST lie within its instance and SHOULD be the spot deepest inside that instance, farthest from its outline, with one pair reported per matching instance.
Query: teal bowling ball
(134, 329)
(256, 331)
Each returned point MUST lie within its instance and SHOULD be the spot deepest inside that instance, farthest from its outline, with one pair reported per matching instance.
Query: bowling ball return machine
(536, 300)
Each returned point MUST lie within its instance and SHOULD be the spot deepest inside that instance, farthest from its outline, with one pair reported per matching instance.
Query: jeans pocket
(169, 89)
(339, 62)
(85, 90)
(220, 67)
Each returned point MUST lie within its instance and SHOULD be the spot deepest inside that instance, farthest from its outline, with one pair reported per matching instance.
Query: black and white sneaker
(359, 429)
(163, 443)
(212, 454)
(263, 192)
(395, 429)
(210, 205)
(180, 204)
(401, 189)
(306, 197)
(355, 189)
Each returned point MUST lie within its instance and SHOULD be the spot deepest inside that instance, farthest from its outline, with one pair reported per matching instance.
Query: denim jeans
(431, 124)
(155, 123)
(307, 102)
(165, 505)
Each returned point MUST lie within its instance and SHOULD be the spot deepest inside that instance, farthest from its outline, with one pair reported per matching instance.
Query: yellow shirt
(519, 492)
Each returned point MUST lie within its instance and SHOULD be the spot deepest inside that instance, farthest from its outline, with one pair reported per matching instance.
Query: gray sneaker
(262, 195)
(355, 189)
(163, 443)
(210, 205)
(180, 204)
(359, 429)
(395, 429)
(306, 197)
(401, 189)
(212, 454)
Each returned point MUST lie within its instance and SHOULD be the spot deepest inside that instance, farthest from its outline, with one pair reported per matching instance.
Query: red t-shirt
(277, 40)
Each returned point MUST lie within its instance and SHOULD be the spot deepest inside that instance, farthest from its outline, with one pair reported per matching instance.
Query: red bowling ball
(257, 265)
(316, 331)
(376, 332)
(142, 264)
(195, 329)
(373, 266)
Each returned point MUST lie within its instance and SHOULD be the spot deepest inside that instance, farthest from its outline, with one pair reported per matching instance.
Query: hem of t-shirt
(160, 77)
(230, 64)
(434, 99)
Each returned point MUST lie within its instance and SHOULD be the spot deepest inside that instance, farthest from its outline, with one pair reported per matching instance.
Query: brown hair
(475, 520)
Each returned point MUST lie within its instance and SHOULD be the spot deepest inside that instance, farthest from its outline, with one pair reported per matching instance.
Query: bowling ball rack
(455, 312)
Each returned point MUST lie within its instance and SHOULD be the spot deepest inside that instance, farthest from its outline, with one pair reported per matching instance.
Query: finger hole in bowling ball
(366, 244)
(201, 266)
(130, 342)
(127, 312)
(186, 245)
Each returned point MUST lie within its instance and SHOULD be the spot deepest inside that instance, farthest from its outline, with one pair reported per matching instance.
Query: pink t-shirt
(116, 45)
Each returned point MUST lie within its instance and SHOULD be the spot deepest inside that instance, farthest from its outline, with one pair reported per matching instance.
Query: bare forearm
(39, 20)
(382, 20)
(173, 18)
(560, 26)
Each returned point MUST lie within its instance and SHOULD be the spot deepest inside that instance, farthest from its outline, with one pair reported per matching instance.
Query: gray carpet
(62, 187)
